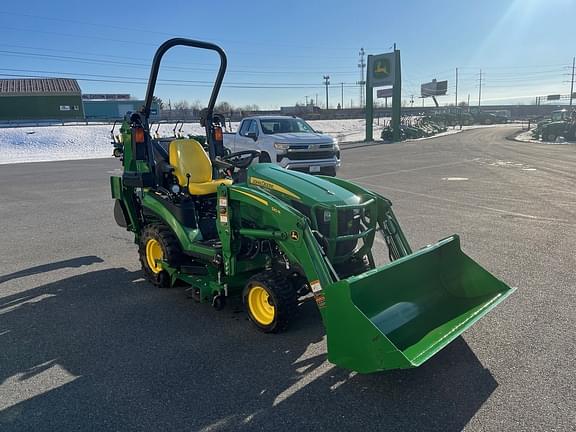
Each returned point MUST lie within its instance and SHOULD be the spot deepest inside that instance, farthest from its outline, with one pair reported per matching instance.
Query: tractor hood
(295, 186)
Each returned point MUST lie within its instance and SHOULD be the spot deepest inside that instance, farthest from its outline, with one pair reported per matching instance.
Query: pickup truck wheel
(330, 171)
(264, 158)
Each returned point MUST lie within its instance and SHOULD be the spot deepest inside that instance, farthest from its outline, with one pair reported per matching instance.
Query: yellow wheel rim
(153, 253)
(259, 303)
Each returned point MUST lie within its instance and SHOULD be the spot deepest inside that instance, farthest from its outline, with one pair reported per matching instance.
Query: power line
(145, 79)
(76, 59)
(153, 45)
(183, 66)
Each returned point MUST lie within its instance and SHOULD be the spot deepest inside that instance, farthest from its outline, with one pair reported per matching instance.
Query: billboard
(553, 97)
(381, 70)
(434, 88)
(384, 93)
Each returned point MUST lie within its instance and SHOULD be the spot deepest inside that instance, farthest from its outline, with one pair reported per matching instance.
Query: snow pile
(348, 130)
(47, 143)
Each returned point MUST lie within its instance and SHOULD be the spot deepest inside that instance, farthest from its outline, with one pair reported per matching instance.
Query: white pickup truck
(288, 141)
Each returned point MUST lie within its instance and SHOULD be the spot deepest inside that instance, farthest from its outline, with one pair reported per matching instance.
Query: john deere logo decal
(381, 68)
(294, 235)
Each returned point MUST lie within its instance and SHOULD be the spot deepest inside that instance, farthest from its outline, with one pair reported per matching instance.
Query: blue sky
(279, 51)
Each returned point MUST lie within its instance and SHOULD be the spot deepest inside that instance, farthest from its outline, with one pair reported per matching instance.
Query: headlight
(281, 146)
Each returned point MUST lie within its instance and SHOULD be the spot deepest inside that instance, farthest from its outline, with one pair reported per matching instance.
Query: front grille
(309, 155)
(348, 224)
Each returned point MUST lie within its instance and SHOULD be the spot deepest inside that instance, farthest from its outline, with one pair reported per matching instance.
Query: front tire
(271, 301)
(157, 242)
(330, 171)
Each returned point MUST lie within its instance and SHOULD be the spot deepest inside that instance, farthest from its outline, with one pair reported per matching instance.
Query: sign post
(383, 70)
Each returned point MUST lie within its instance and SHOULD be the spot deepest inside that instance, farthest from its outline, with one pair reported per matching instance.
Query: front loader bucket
(400, 315)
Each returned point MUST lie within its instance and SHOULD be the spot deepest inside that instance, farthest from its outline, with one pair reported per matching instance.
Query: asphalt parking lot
(86, 344)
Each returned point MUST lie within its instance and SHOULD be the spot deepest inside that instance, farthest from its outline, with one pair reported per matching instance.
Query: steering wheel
(241, 159)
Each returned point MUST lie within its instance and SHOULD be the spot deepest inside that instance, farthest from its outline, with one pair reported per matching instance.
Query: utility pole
(572, 81)
(411, 101)
(342, 95)
(456, 97)
(362, 82)
(480, 90)
(468, 102)
(326, 83)
(306, 100)
(316, 99)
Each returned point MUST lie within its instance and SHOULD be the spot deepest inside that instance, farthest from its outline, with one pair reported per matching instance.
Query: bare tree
(181, 105)
(223, 107)
(250, 107)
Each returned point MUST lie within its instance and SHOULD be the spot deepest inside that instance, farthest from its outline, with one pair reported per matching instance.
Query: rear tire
(271, 301)
(158, 242)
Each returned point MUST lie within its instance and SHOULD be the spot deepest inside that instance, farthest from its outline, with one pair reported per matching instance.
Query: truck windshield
(284, 125)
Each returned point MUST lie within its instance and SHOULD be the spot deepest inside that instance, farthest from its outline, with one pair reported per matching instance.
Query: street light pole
(572, 81)
(480, 91)
(326, 83)
(456, 97)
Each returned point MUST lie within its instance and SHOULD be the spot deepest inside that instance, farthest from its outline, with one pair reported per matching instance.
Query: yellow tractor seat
(187, 156)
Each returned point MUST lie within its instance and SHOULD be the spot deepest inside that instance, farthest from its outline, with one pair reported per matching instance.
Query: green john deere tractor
(561, 123)
(224, 226)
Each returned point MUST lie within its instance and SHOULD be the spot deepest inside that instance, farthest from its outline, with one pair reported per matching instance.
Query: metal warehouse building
(40, 99)
(115, 109)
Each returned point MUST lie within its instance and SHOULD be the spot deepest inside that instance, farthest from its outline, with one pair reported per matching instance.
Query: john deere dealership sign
(384, 70)
(381, 70)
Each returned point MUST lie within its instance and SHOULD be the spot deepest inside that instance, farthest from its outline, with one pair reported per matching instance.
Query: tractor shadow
(139, 358)
(70, 263)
